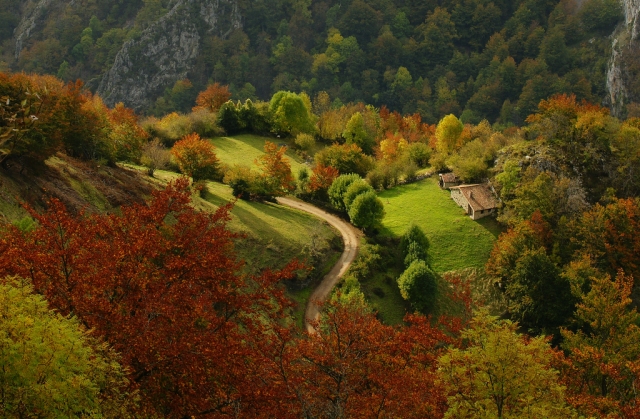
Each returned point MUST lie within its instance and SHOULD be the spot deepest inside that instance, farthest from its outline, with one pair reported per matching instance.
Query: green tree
(356, 188)
(501, 374)
(52, 368)
(414, 245)
(418, 286)
(366, 211)
(356, 132)
(539, 298)
(229, 118)
(338, 189)
(291, 113)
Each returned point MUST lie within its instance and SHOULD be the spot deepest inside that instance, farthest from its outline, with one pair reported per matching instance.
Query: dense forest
(479, 59)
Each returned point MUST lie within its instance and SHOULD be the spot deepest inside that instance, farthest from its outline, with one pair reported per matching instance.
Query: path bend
(351, 238)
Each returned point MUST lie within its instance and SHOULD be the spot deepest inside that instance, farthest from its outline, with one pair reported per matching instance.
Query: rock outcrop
(33, 12)
(625, 44)
(166, 51)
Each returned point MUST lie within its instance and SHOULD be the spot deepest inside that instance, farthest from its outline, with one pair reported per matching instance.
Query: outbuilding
(447, 180)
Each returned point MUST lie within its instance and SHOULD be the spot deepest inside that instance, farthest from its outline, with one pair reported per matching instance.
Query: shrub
(366, 211)
(418, 286)
(338, 188)
(196, 157)
(414, 245)
(305, 141)
(240, 179)
(204, 123)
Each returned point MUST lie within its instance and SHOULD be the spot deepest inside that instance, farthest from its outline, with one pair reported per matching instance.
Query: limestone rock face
(626, 45)
(34, 11)
(166, 51)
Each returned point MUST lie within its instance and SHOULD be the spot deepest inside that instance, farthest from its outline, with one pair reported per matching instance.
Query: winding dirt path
(351, 238)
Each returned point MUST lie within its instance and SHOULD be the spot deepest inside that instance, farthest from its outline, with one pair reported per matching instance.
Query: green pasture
(245, 149)
(457, 242)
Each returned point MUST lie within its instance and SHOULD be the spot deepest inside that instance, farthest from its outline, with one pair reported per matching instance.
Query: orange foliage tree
(160, 283)
(276, 170)
(213, 97)
(322, 178)
(195, 157)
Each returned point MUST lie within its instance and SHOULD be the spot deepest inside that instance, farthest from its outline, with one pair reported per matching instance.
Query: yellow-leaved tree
(501, 374)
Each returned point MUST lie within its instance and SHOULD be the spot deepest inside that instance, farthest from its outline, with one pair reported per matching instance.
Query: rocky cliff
(34, 11)
(625, 48)
(166, 51)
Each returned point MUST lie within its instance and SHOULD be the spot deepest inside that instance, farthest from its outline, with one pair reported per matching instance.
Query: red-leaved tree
(212, 97)
(160, 283)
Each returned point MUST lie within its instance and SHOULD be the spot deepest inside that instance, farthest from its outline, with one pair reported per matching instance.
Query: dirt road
(350, 236)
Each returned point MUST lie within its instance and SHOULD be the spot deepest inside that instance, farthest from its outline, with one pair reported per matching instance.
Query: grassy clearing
(457, 242)
(245, 149)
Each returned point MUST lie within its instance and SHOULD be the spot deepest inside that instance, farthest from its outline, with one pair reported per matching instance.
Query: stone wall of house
(459, 199)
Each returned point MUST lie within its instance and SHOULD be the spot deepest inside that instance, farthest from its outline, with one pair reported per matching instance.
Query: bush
(204, 123)
(355, 188)
(338, 188)
(418, 286)
(305, 141)
(366, 211)
(240, 179)
(169, 129)
(384, 176)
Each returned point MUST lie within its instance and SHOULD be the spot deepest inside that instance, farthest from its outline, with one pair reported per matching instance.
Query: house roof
(448, 177)
(479, 197)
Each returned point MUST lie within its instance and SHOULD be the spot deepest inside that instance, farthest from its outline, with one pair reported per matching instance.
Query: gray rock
(166, 51)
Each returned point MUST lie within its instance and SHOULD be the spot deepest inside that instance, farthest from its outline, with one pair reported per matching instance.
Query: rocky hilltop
(165, 52)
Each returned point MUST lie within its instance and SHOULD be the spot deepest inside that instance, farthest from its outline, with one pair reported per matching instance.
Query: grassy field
(244, 149)
(457, 242)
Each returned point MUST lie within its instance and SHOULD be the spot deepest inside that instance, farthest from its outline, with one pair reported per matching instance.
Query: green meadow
(245, 149)
(457, 242)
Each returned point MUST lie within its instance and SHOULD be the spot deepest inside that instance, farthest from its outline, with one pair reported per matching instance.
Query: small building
(447, 180)
(478, 201)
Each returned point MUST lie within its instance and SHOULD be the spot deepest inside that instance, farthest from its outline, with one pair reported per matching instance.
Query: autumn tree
(276, 170)
(347, 158)
(447, 133)
(322, 178)
(501, 374)
(51, 365)
(160, 283)
(602, 367)
(212, 97)
(196, 157)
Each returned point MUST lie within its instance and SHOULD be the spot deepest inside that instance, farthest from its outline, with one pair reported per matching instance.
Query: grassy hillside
(457, 242)
(78, 184)
(245, 149)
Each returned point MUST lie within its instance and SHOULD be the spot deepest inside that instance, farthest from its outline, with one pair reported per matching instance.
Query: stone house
(447, 180)
(478, 201)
